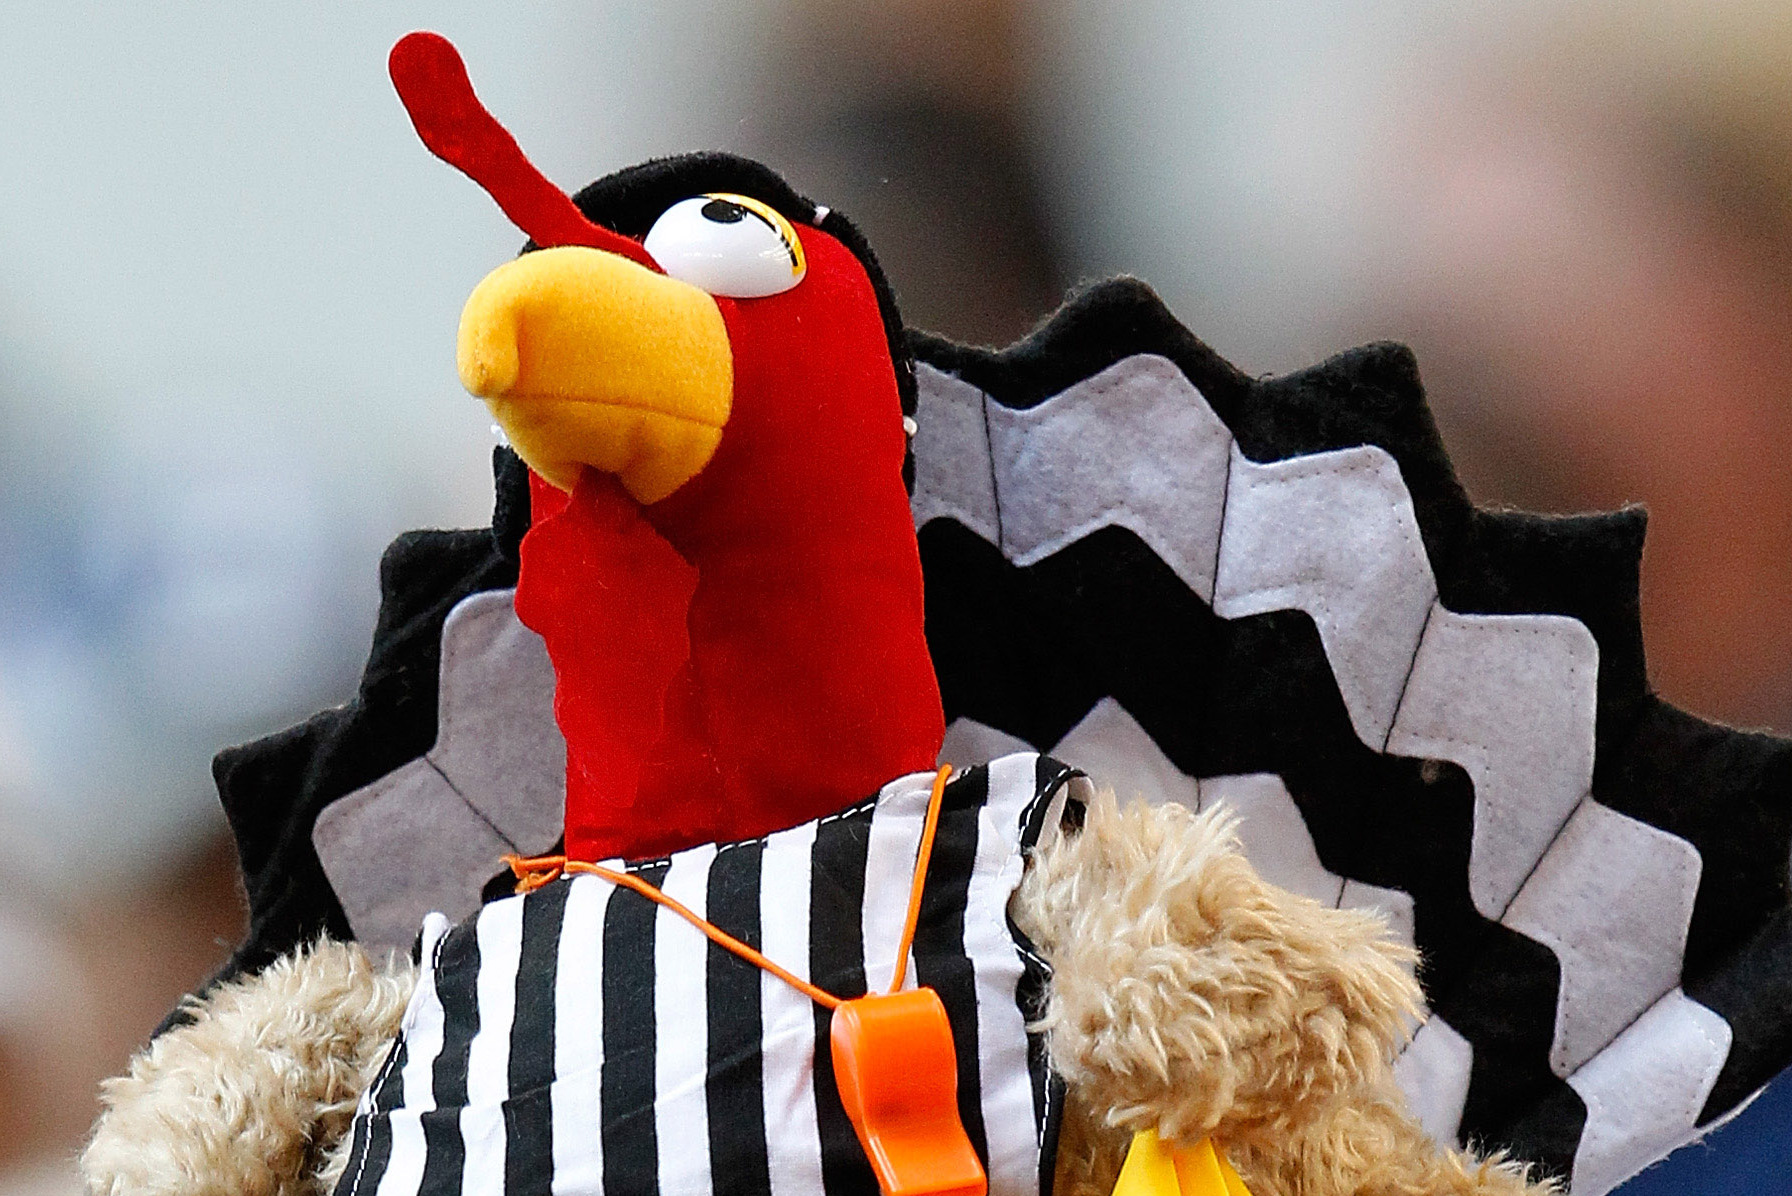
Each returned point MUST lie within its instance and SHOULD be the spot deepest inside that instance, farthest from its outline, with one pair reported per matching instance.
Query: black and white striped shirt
(581, 1039)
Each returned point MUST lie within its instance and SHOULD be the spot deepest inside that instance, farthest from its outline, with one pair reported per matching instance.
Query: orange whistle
(898, 1077)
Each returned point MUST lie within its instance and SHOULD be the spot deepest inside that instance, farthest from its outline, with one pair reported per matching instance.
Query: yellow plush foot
(1155, 1168)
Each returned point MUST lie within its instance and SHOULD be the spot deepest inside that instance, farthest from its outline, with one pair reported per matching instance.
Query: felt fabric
(970, 742)
(411, 814)
(1029, 652)
(1612, 898)
(1752, 993)
(1468, 691)
(496, 742)
(1109, 743)
(580, 1038)
(493, 783)
(1579, 687)
(955, 476)
(1356, 564)
(1512, 699)
(273, 789)
(1396, 907)
(790, 563)
(1222, 698)
(1274, 835)
(1645, 1091)
(1433, 1072)
(1333, 534)
(1051, 491)
(1722, 791)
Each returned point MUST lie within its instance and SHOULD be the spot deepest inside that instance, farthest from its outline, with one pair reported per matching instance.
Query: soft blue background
(1752, 1155)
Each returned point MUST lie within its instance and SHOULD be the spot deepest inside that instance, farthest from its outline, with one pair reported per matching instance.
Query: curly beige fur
(247, 1098)
(1192, 997)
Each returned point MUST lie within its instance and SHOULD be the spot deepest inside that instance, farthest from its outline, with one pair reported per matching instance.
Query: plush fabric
(587, 359)
(779, 564)
(1027, 652)
(1254, 696)
(1110, 743)
(432, 81)
(630, 200)
(802, 581)
(274, 788)
(804, 609)
(611, 600)
(1185, 995)
(1191, 998)
(249, 1097)
(594, 364)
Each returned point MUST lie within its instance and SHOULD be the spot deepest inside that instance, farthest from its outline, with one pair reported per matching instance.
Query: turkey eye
(729, 245)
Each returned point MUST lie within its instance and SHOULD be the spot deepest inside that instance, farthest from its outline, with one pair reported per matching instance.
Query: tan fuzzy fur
(248, 1098)
(1191, 997)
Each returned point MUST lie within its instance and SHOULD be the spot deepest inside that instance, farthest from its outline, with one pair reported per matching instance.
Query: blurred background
(230, 279)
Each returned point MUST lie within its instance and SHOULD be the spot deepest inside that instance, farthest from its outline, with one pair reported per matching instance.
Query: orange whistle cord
(922, 857)
(534, 872)
(894, 1058)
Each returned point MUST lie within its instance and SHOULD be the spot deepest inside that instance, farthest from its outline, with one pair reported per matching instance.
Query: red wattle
(610, 596)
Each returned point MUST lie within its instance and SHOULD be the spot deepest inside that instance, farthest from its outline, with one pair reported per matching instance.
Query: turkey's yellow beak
(587, 359)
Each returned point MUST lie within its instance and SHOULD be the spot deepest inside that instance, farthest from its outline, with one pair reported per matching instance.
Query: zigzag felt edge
(1486, 561)
(492, 783)
(274, 788)
(1582, 567)
(1263, 701)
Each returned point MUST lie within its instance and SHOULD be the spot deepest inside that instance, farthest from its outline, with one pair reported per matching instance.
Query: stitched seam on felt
(1140, 523)
(1712, 1069)
(995, 482)
(1680, 869)
(1283, 473)
(1304, 581)
(1406, 681)
(1707, 1077)
(1116, 378)
(429, 759)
